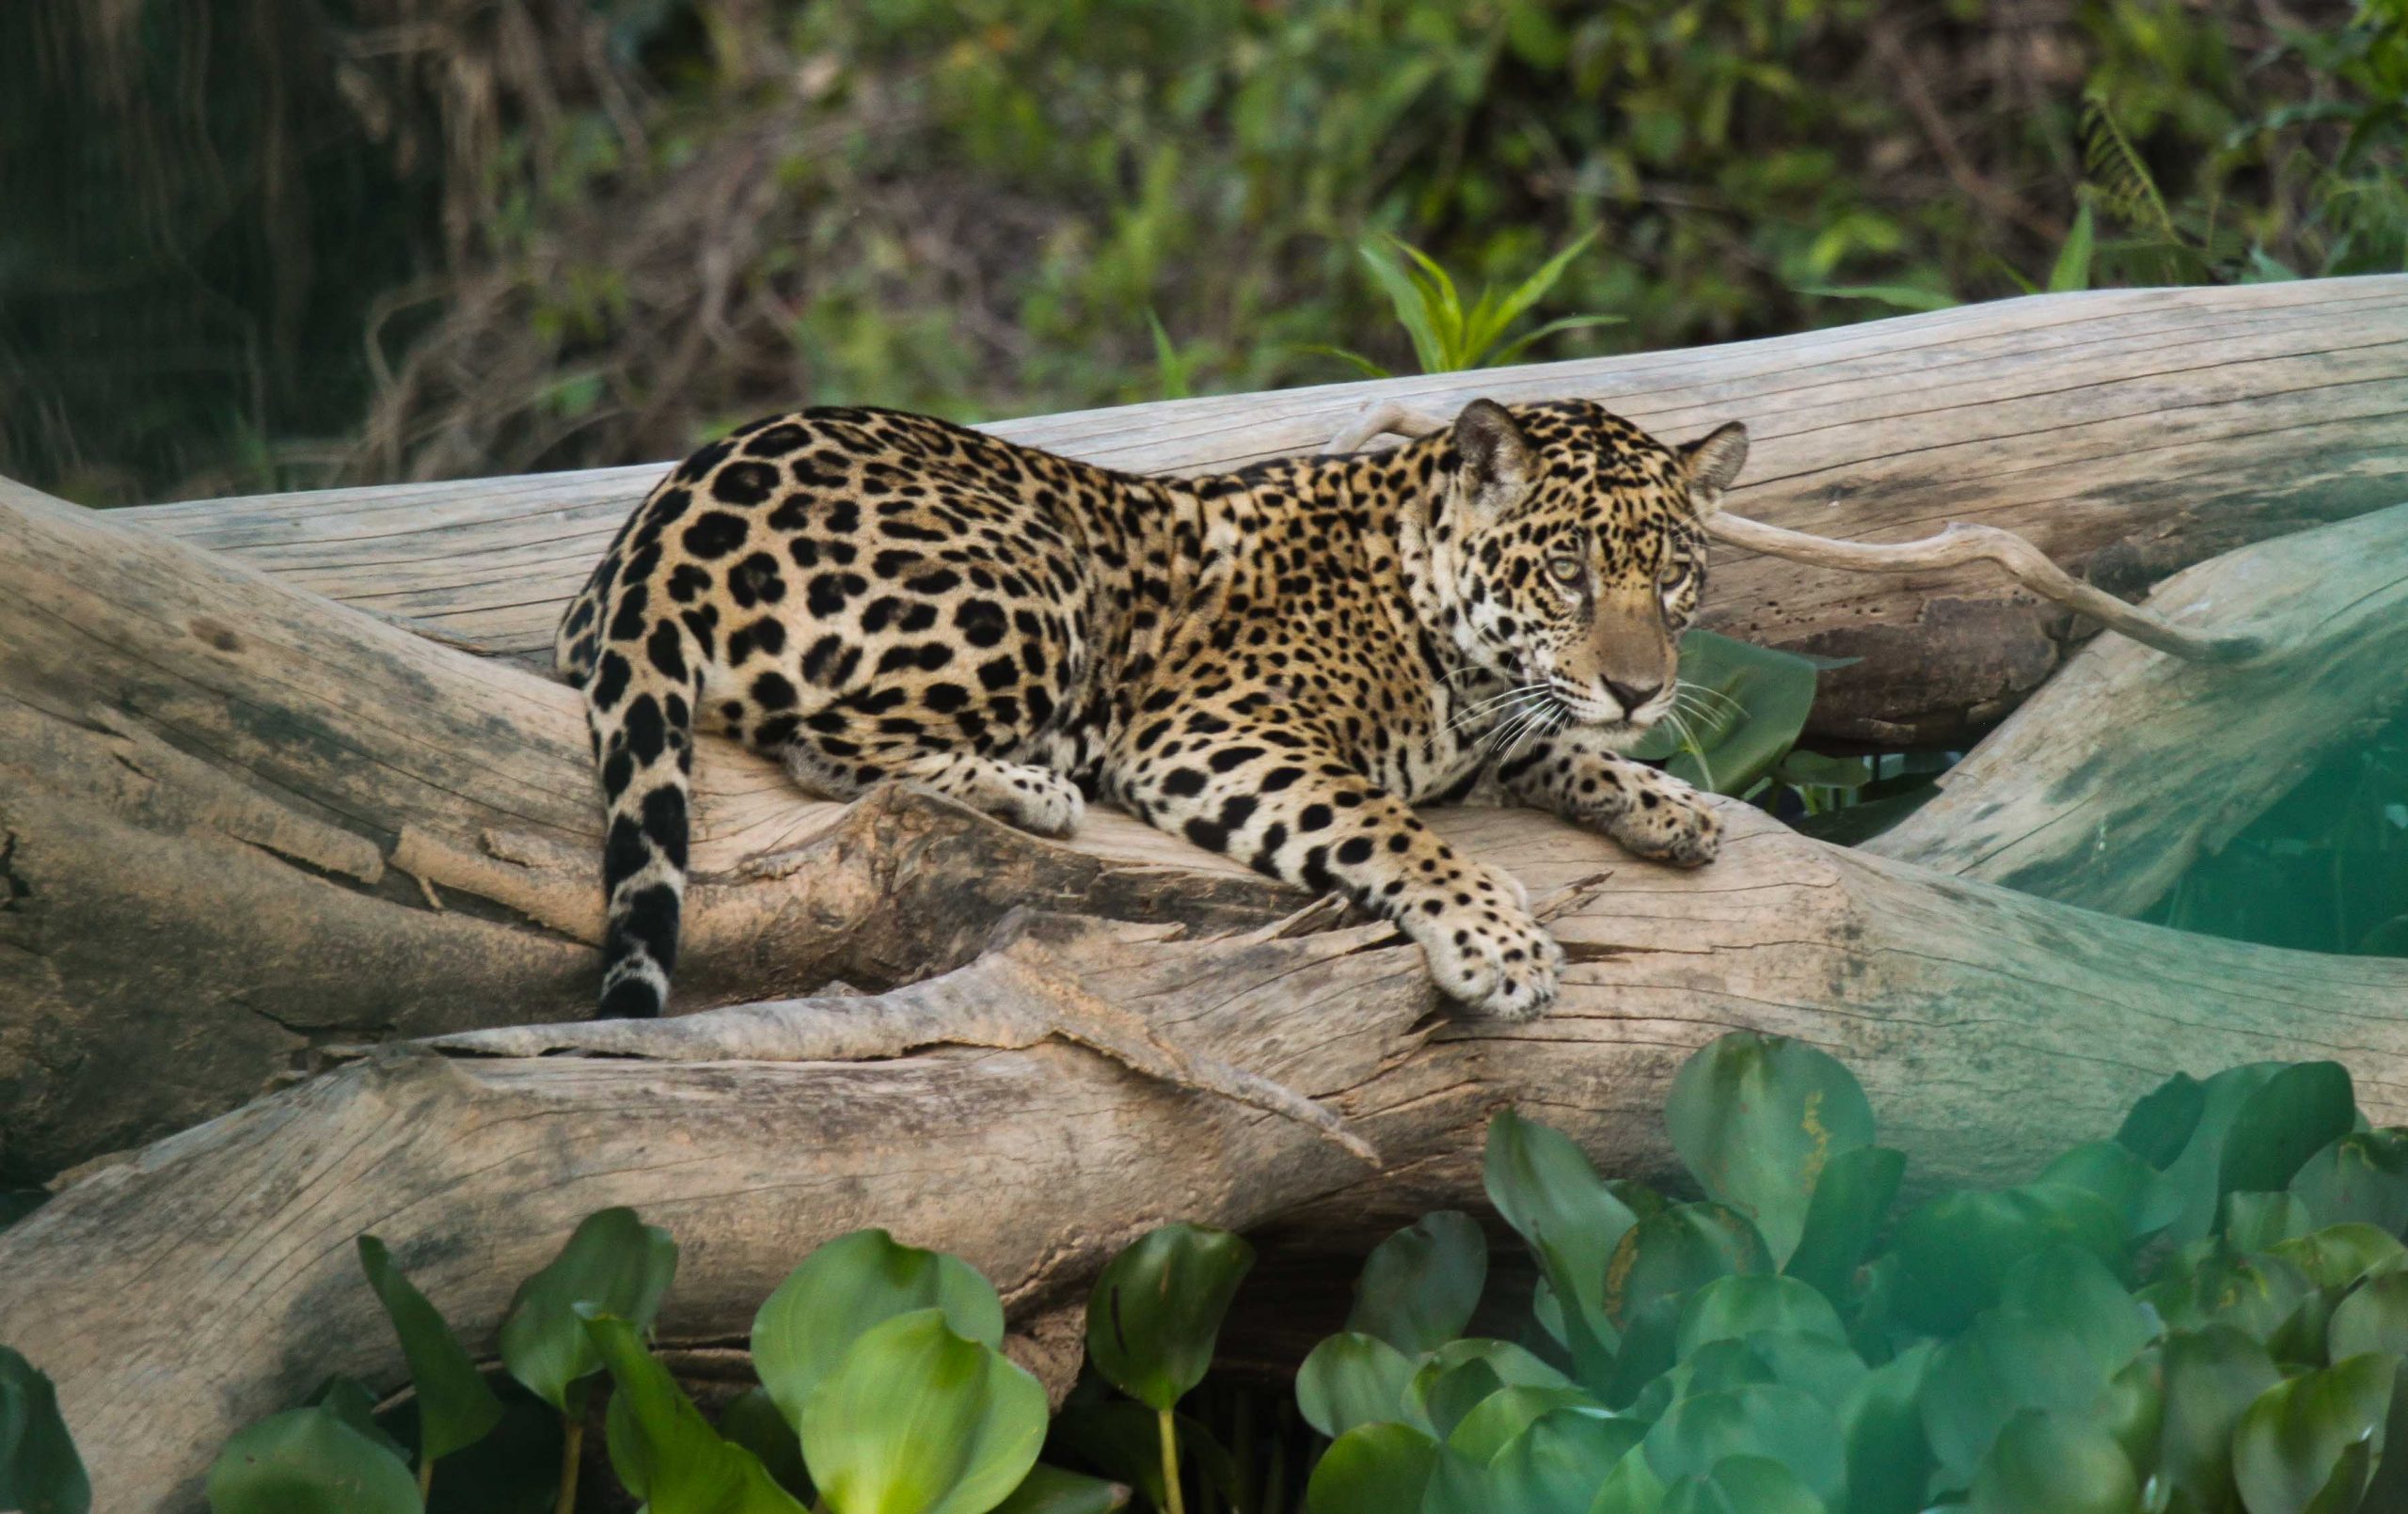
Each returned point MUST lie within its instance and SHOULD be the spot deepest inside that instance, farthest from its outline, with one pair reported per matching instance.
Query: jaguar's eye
(1564, 570)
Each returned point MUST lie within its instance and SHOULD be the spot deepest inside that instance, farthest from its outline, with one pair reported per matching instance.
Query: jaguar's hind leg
(1032, 797)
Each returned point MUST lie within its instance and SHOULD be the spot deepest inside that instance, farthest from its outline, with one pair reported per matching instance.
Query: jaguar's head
(1576, 547)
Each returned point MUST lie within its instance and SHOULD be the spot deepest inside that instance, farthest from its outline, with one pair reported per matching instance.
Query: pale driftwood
(1955, 544)
(212, 1279)
(2127, 433)
(2112, 778)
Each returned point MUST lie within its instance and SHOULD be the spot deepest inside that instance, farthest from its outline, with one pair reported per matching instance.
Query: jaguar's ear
(1711, 462)
(1495, 466)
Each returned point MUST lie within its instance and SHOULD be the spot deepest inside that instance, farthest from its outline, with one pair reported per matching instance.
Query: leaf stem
(425, 1476)
(572, 1452)
(1177, 1501)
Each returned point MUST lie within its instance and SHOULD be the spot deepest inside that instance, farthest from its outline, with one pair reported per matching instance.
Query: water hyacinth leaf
(39, 1469)
(1560, 1459)
(456, 1409)
(1351, 1380)
(1757, 1118)
(2340, 1254)
(753, 1421)
(2254, 1222)
(1377, 1469)
(1889, 1459)
(2195, 1176)
(918, 1420)
(661, 1446)
(2136, 1192)
(2297, 1113)
(850, 1285)
(613, 1262)
(1457, 1485)
(1052, 1491)
(1446, 1381)
(2046, 1463)
(514, 1470)
(1827, 1369)
(2069, 1287)
(1633, 1488)
(1711, 1368)
(2363, 1177)
(1155, 1314)
(2006, 1363)
(1955, 1252)
(2212, 1376)
(1497, 1420)
(2287, 1442)
(2387, 1489)
(1733, 1308)
(1755, 704)
(2254, 1294)
(2160, 1126)
(309, 1461)
(1418, 1287)
(1742, 1485)
(350, 1401)
(1547, 1190)
(1441, 1399)
(1672, 1254)
(1850, 1204)
(1779, 1424)
(2373, 1317)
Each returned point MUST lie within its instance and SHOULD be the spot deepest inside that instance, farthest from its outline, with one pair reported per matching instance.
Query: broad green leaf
(2255, 1294)
(2373, 1318)
(1419, 1286)
(456, 1409)
(2071, 1287)
(1533, 289)
(2254, 1221)
(1418, 316)
(1757, 1118)
(2194, 1176)
(1156, 1312)
(1733, 1308)
(1457, 1376)
(1754, 703)
(2053, 1463)
(662, 1446)
(850, 1285)
(1850, 1204)
(309, 1461)
(1670, 1255)
(2285, 1446)
(2212, 1376)
(2160, 1126)
(2297, 1113)
(615, 1262)
(39, 1469)
(1955, 1252)
(1351, 1380)
(2136, 1192)
(1378, 1469)
(1821, 1365)
(1052, 1491)
(753, 1421)
(1714, 1367)
(1889, 1460)
(1562, 1458)
(2388, 1488)
(351, 1402)
(1742, 1485)
(2340, 1254)
(1781, 1424)
(1546, 1189)
(2006, 1363)
(918, 1420)
(1497, 1420)
(2132, 1410)
(2361, 1176)
(1633, 1488)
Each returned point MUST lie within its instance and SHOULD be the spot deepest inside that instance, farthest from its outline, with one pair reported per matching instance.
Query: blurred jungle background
(255, 244)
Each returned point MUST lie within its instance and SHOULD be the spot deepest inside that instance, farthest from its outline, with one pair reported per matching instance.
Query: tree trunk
(2129, 433)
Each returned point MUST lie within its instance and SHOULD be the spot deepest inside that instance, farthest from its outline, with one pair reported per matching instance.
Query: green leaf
(2006, 1363)
(2373, 1318)
(662, 1446)
(2194, 1175)
(2363, 1177)
(2253, 1293)
(1783, 1424)
(849, 1287)
(350, 1401)
(1412, 312)
(1351, 1380)
(1955, 1252)
(2297, 1113)
(1418, 1287)
(1548, 1192)
(1667, 1256)
(39, 1469)
(456, 1409)
(1633, 1488)
(918, 1420)
(2125, 1183)
(1052, 1491)
(1742, 1485)
(1851, 1203)
(1156, 1312)
(1378, 1469)
(2069, 1286)
(1898, 296)
(1511, 352)
(1460, 1373)
(1889, 1460)
(1561, 1459)
(1733, 1308)
(1750, 703)
(2212, 1376)
(1533, 289)
(309, 1461)
(2338, 1255)
(615, 1262)
(1362, 364)
(2046, 1463)
(1757, 1118)
(2160, 1126)
(2287, 1442)
(1500, 1419)
(753, 1421)
(2071, 270)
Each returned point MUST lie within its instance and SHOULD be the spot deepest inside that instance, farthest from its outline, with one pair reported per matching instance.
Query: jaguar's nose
(1632, 695)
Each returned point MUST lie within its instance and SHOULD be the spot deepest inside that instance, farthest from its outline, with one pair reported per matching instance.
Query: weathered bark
(210, 1279)
(2112, 778)
(2127, 433)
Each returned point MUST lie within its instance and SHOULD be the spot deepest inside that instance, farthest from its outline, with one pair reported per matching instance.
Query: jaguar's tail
(639, 700)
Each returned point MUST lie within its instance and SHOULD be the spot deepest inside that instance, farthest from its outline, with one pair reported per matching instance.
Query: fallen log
(209, 1279)
(2112, 778)
(2127, 433)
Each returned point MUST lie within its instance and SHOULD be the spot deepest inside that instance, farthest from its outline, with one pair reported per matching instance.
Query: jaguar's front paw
(1667, 821)
(1490, 954)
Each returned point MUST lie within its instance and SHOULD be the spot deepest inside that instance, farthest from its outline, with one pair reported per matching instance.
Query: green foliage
(1448, 335)
(456, 1409)
(309, 1461)
(1156, 1311)
(846, 1287)
(40, 1471)
(2068, 1344)
(615, 1262)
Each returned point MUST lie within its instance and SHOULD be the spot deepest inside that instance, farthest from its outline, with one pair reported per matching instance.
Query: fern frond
(2115, 172)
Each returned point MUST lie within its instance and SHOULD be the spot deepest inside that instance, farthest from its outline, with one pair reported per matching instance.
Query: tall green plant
(1448, 333)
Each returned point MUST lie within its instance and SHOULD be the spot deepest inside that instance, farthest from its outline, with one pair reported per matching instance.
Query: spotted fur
(1273, 663)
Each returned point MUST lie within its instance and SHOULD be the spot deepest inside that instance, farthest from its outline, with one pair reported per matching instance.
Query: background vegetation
(253, 242)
